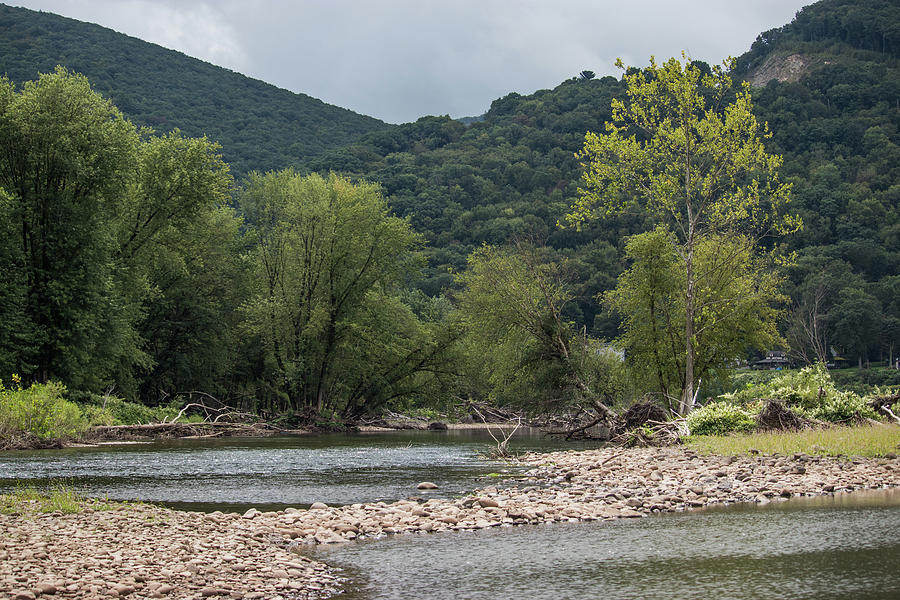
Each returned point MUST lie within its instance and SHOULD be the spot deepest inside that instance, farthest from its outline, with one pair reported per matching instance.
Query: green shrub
(809, 391)
(39, 410)
(97, 415)
(842, 407)
(719, 418)
(111, 410)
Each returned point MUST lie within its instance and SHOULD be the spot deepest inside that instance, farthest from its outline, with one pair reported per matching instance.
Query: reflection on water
(842, 547)
(270, 473)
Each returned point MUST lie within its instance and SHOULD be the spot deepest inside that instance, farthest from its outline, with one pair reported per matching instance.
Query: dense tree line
(127, 270)
(837, 129)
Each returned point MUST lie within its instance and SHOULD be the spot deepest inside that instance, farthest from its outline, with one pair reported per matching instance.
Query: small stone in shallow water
(427, 485)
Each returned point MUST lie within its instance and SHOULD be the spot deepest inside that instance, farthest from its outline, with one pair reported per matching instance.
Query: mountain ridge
(259, 125)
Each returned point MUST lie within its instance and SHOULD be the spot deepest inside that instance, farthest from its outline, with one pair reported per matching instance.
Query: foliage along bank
(127, 270)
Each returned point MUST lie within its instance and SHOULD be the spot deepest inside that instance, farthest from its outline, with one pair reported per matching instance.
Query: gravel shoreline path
(143, 551)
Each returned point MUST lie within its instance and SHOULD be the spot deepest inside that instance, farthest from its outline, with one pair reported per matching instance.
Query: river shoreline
(146, 551)
(157, 432)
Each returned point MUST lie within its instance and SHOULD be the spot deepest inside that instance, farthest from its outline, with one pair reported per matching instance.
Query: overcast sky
(398, 60)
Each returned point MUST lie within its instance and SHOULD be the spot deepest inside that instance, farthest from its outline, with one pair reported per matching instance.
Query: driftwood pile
(883, 405)
(219, 421)
(643, 424)
(26, 441)
(777, 417)
(158, 431)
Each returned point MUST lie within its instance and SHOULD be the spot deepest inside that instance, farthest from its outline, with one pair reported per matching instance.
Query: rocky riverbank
(114, 550)
(591, 485)
(149, 551)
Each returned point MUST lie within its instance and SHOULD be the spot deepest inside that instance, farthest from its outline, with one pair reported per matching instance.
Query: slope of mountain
(259, 126)
(828, 84)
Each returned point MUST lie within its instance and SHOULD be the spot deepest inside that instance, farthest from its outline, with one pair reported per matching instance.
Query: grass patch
(57, 498)
(870, 441)
(31, 500)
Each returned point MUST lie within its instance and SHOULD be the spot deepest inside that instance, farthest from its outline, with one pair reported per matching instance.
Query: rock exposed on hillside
(782, 68)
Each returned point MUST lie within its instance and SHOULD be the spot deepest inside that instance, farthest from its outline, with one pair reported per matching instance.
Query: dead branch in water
(502, 450)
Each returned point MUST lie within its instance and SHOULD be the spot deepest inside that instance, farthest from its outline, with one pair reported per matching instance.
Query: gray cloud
(401, 59)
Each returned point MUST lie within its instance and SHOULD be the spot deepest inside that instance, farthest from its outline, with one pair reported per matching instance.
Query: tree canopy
(686, 148)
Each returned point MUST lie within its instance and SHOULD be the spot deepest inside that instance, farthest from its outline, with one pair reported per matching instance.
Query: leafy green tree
(16, 332)
(178, 178)
(520, 348)
(196, 280)
(328, 261)
(66, 159)
(855, 319)
(733, 301)
(686, 149)
(179, 249)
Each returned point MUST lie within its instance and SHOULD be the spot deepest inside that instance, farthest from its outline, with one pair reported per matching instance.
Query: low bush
(810, 392)
(111, 410)
(39, 410)
(841, 407)
(720, 418)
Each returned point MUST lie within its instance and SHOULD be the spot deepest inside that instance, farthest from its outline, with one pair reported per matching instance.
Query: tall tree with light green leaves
(685, 149)
(735, 310)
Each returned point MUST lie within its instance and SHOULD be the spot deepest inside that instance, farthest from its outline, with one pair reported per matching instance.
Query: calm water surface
(823, 548)
(271, 473)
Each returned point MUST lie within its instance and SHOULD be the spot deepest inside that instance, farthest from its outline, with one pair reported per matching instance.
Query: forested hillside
(258, 125)
(828, 84)
(836, 120)
(306, 293)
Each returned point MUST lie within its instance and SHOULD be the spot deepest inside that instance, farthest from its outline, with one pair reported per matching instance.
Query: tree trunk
(687, 395)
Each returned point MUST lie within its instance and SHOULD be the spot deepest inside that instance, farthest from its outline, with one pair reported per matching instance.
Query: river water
(831, 547)
(275, 472)
(845, 547)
